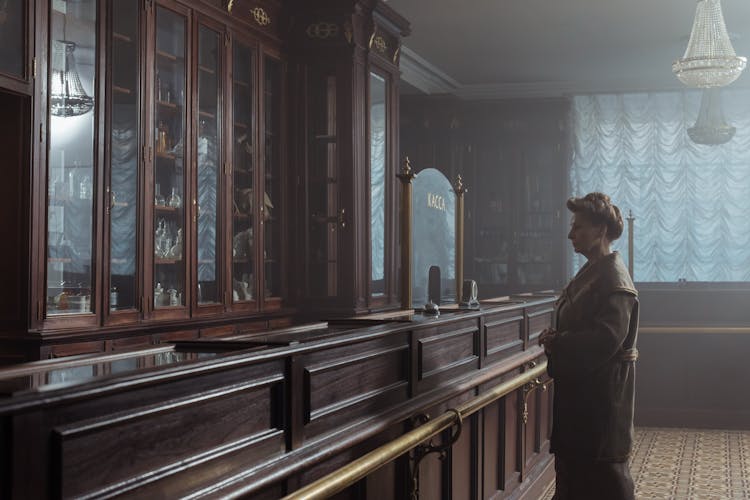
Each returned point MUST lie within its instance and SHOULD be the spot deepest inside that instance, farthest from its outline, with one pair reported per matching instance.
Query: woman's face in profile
(583, 234)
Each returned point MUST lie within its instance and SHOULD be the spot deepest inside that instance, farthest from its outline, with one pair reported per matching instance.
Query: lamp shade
(709, 60)
(711, 128)
(67, 96)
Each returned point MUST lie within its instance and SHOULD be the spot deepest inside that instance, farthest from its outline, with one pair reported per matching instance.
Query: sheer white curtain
(691, 202)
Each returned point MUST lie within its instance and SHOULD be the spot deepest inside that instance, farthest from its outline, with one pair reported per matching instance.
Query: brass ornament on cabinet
(322, 30)
(261, 16)
(380, 44)
(395, 55)
(230, 4)
(348, 32)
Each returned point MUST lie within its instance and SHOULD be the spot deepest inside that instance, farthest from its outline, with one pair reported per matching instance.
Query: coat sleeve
(578, 353)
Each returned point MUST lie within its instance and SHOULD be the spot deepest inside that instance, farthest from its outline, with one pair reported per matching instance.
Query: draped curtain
(691, 202)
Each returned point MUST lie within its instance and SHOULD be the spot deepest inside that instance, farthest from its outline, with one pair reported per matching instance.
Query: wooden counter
(264, 414)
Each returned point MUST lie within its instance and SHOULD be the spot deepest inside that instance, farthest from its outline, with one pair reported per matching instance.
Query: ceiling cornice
(430, 79)
(426, 77)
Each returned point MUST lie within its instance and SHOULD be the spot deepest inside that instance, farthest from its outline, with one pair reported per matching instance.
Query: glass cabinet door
(272, 172)
(243, 170)
(169, 221)
(322, 189)
(124, 122)
(13, 37)
(71, 154)
(378, 156)
(208, 161)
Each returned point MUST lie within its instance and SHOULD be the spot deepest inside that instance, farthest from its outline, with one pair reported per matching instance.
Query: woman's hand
(546, 338)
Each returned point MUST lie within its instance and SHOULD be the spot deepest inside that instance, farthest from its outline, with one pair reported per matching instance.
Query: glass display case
(322, 197)
(243, 173)
(378, 157)
(208, 154)
(70, 264)
(169, 127)
(189, 109)
(56, 374)
(269, 213)
(13, 37)
(124, 144)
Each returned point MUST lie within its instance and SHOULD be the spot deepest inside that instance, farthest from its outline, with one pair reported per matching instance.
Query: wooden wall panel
(538, 319)
(336, 385)
(503, 334)
(511, 441)
(354, 381)
(446, 354)
(492, 437)
(90, 452)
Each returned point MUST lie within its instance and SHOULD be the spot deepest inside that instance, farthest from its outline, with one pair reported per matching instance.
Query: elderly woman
(591, 354)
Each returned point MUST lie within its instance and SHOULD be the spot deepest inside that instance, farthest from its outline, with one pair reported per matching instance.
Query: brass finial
(230, 4)
(630, 216)
(459, 187)
(406, 174)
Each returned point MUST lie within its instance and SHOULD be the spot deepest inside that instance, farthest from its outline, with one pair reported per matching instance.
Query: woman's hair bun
(599, 209)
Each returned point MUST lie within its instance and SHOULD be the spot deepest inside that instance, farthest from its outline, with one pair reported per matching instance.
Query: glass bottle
(158, 198)
(161, 144)
(174, 199)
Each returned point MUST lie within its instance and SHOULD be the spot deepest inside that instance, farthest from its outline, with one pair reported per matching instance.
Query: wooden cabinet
(199, 164)
(158, 160)
(346, 72)
(16, 45)
(514, 159)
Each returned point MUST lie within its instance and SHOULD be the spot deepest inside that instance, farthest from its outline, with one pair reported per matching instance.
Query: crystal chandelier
(67, 96)
(711, 127)
(709, 60)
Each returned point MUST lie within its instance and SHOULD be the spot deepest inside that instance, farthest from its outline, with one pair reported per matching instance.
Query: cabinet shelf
(241, 216)
(242, 260)
(168, 56)
(206, 69)
(206, 114)
(121, 37)
(165, 156)
(242, 83)
(121, 90)
(166, 209)
(59, 260)
(240, 125)
(166, 262)
(167, 104)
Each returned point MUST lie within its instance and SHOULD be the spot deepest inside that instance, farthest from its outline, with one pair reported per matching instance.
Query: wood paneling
(240, 423)
(92, 458)
(503, 334)
(442, 354)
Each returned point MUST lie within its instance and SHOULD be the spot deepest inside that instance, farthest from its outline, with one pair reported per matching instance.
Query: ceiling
(512, 48)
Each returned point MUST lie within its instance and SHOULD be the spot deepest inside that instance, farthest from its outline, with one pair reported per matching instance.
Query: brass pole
(349, 474)
(460, 190)
(631, 257)
(406, 176)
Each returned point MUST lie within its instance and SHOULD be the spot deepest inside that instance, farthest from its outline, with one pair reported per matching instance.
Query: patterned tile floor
(689, 464)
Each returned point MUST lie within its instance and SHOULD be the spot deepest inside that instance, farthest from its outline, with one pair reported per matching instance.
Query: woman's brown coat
(591, 360)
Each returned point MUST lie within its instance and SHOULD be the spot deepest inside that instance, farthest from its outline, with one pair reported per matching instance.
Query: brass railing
(367, 464)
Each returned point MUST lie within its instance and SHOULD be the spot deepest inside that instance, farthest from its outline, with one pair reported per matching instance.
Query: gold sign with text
(435, 201)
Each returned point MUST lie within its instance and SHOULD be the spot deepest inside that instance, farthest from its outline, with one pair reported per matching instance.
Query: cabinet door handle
(342, 220)
(195, 210)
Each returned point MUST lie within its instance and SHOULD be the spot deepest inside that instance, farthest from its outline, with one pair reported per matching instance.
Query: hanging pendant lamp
(711, 128)
(709, 60)
(67, 96)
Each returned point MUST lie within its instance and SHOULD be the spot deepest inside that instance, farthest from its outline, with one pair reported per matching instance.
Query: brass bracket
(528, 389)
(423, 450)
